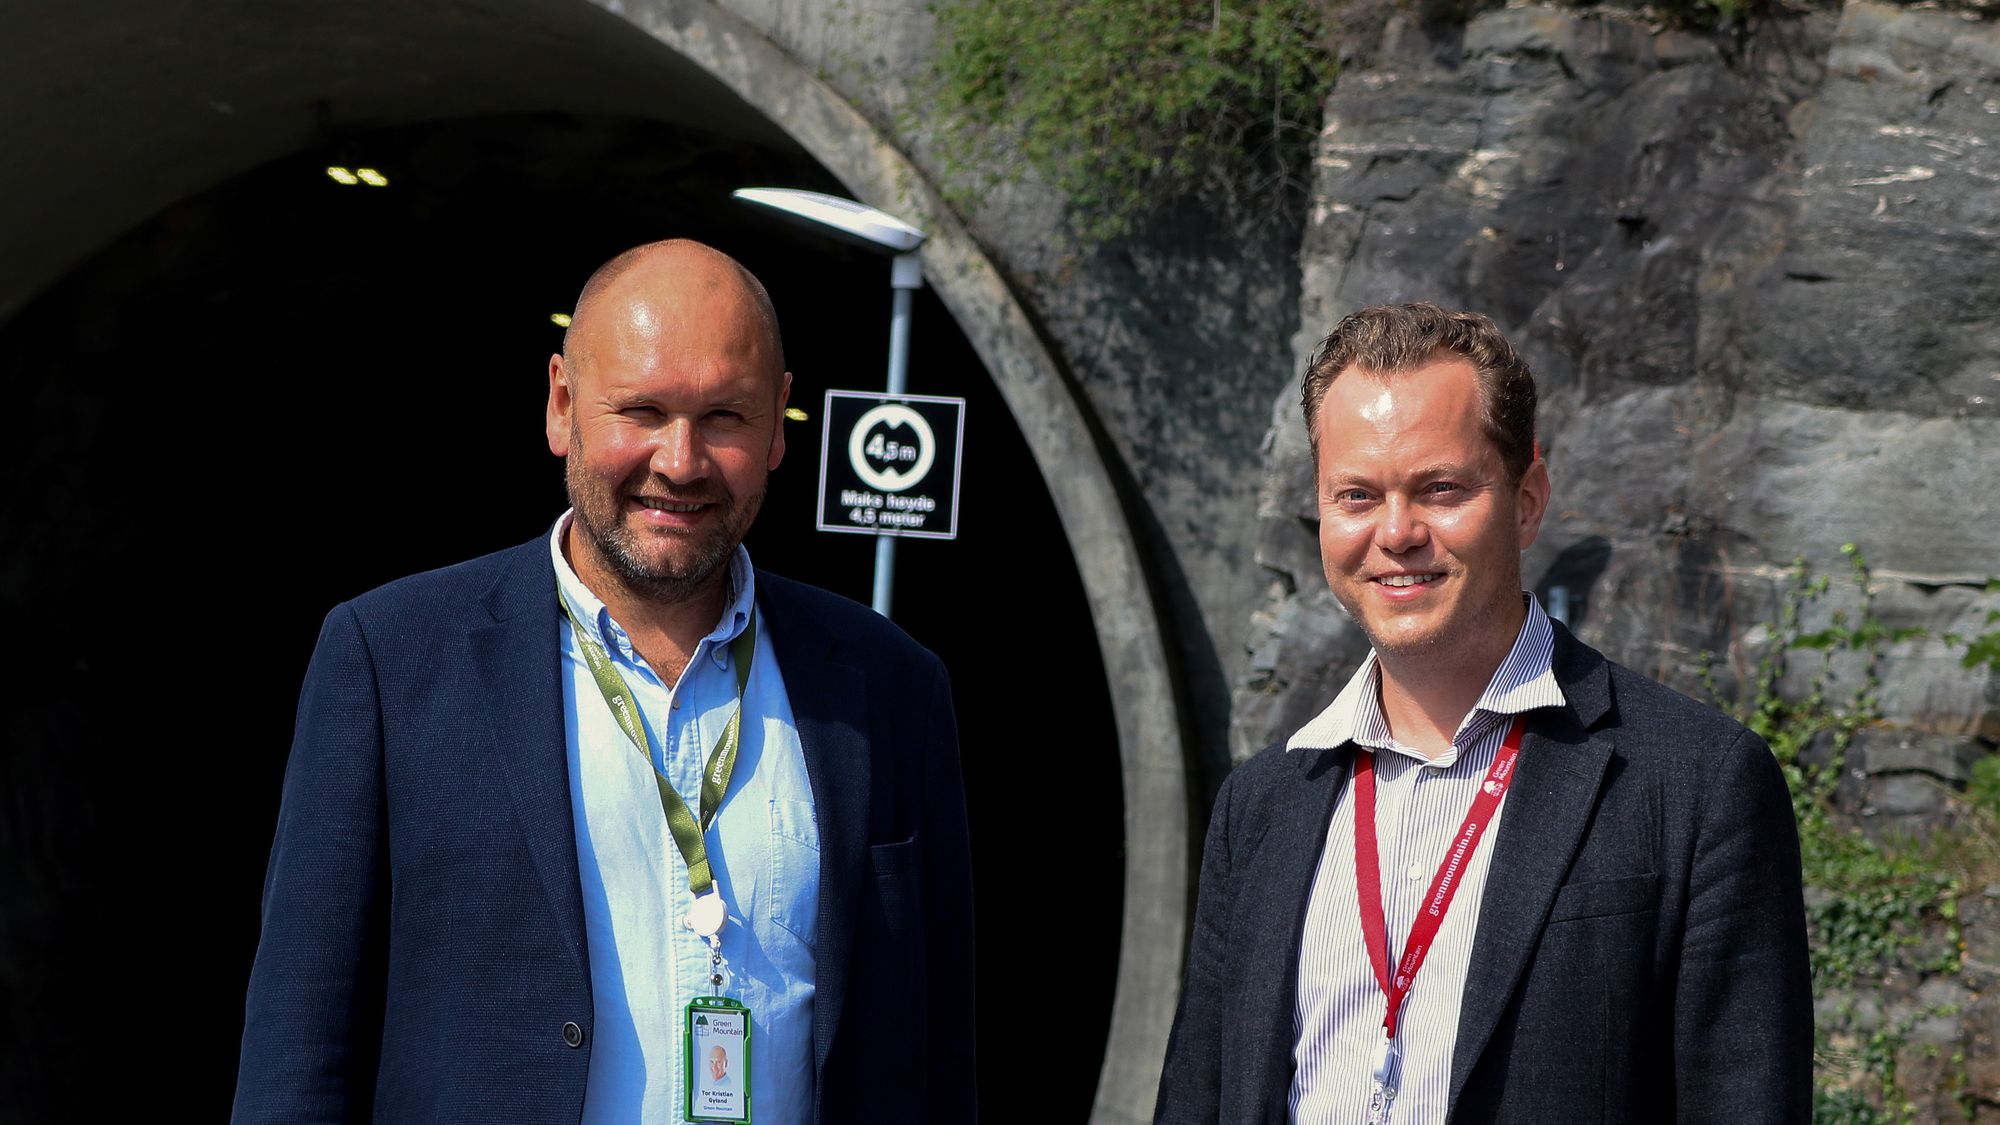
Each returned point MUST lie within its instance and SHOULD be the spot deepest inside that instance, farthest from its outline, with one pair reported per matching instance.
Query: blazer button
(572, 1035)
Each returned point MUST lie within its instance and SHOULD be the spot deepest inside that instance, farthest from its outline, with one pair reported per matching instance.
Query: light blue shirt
(645, 964)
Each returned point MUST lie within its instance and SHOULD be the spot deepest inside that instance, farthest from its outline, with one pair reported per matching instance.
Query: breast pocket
(795, 868)
(890, 861)
(898, 891)
(1603, 898)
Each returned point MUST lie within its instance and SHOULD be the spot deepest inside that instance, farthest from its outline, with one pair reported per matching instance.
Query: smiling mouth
(678, 506)
(1401, 580)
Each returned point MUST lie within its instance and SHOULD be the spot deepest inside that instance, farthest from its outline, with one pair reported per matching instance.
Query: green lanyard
(721, 760)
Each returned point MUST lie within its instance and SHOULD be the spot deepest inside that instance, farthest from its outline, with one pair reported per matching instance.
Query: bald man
(554, 814)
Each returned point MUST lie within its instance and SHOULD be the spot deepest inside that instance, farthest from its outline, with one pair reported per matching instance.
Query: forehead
(681, 332)
(1429, 413)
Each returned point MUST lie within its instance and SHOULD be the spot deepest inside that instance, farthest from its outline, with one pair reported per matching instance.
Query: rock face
(1758, 277)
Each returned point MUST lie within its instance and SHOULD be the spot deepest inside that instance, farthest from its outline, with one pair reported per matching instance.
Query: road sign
(889, 464)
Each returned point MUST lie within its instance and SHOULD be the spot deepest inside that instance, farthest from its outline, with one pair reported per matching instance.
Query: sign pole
(906, 276)
(878, 230)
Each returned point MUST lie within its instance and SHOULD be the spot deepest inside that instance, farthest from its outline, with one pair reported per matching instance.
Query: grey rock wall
(1758, 276)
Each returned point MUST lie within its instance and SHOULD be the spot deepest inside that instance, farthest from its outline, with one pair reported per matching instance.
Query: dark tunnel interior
(283, 391)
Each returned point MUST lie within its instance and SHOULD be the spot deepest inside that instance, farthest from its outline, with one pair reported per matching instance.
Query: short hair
(1393, 339)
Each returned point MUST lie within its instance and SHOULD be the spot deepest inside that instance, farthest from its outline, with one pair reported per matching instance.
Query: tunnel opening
(285, 390)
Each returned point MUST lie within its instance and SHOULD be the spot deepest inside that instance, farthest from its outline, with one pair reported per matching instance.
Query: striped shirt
(1419, 805)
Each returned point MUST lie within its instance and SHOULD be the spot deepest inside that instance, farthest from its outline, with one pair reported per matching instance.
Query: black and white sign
(889, 465)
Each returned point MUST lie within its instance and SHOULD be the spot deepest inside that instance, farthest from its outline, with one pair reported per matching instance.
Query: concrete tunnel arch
(196, 96)
(1054, 422)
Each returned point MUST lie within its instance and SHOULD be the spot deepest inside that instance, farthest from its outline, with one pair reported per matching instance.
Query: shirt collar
(600, 625)
(1524, 681)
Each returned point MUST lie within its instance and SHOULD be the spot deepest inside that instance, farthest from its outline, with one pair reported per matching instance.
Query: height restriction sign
(888, 464)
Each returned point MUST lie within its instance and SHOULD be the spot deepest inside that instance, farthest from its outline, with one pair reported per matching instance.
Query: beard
(689, 561)
(1475, 623)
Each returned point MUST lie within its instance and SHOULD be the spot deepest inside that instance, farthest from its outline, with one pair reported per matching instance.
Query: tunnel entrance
(285, 390)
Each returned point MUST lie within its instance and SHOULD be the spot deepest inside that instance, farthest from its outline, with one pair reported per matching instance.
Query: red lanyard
(1368, 870)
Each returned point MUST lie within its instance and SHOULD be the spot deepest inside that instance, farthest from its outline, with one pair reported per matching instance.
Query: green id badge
(718, 1060)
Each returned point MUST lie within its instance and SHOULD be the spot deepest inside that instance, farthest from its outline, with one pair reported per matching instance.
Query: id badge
(718, 1060)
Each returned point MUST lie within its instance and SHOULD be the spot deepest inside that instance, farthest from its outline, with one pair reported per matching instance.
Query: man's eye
(1350, 496)
(1441, 486)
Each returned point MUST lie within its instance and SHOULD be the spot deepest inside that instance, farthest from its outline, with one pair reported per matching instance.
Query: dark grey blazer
(1641, 951)
(423, 954)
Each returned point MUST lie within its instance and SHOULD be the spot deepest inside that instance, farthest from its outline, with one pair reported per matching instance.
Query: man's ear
(778, 423)
(1531, 500)
(561, 402)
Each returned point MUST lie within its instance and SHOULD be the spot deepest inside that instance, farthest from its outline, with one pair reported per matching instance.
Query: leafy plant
(1873, 910)
(1845, 1107)
(1123, 104)
(1983, 789)
(1982, 651)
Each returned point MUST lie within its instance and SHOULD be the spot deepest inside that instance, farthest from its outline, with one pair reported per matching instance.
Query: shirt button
(572, 1034)
(1415, 872)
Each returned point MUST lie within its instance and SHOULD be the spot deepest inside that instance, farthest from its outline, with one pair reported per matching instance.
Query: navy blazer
(423, 955)
(1641, 949)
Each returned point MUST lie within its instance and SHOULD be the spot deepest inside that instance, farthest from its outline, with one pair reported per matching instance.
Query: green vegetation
(1125, 104)
(1876, 910)
(1984, 788)
(1982, 651)
(1712, 13)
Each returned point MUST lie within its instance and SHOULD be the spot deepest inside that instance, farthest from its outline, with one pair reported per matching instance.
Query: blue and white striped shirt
(1337, 1020)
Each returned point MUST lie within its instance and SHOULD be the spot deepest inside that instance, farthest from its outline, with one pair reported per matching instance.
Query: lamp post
(865, 226)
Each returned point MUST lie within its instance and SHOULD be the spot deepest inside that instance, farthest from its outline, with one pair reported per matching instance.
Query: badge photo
(718, 1060)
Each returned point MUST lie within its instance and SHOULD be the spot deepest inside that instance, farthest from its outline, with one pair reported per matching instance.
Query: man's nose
(1399, 526)
(679, 454)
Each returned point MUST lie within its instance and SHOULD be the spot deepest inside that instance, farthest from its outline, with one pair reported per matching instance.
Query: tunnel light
(348, 178)
(794, 414)
(560, 320)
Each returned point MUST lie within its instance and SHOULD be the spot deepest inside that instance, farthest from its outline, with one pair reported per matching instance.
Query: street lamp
(864, 226)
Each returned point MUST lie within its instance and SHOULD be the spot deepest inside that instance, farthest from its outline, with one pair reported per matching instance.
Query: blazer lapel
(829, 703)
(1553, 796)
(518, 671)
(1270, 914)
